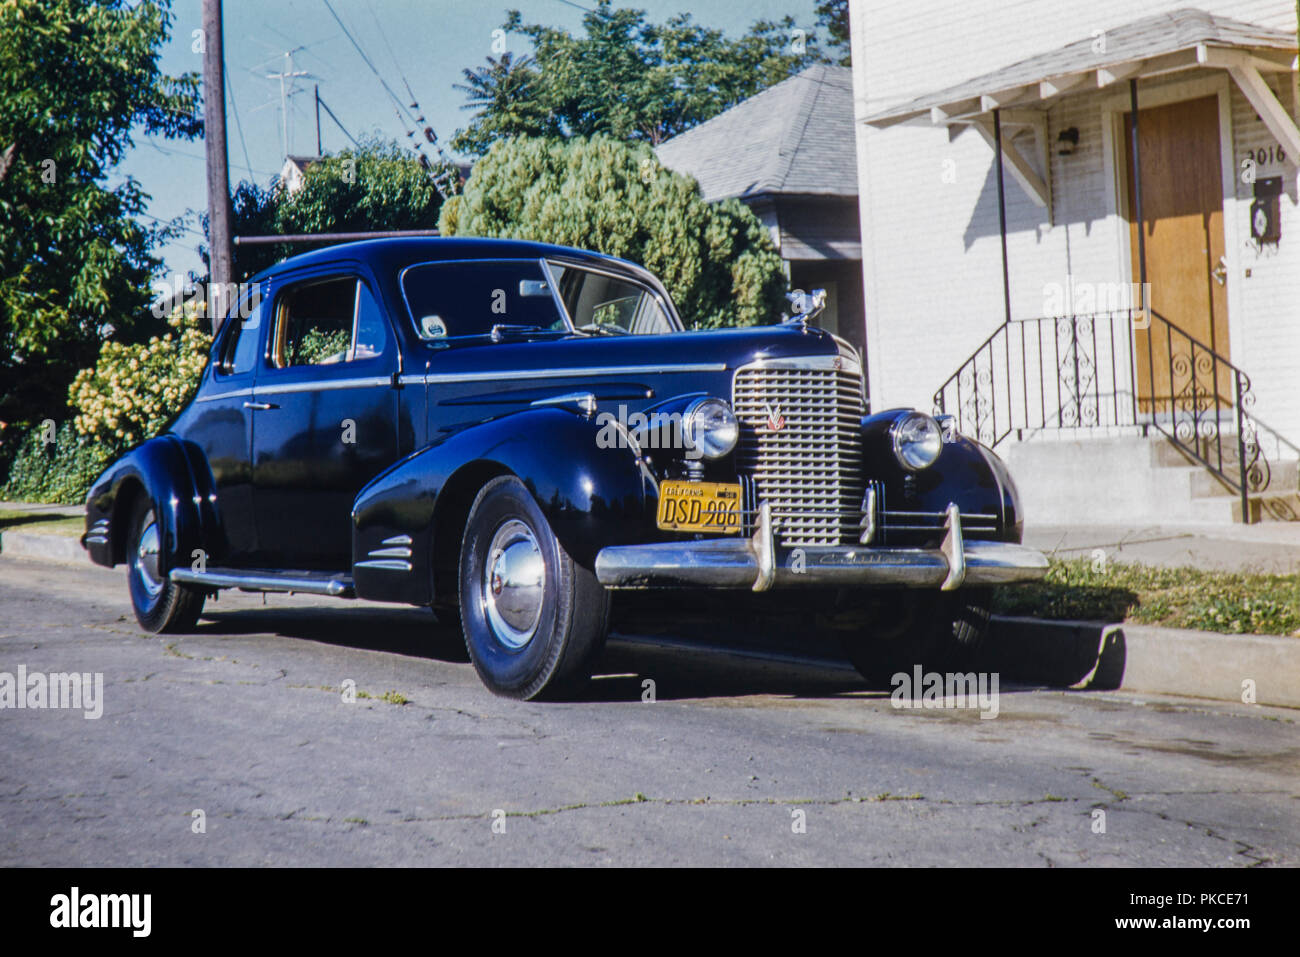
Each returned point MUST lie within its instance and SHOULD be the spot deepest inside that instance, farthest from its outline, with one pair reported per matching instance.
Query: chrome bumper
(756, 563)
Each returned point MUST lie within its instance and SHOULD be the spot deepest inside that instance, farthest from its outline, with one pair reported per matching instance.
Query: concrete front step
(1284, 478)
(1133, 479)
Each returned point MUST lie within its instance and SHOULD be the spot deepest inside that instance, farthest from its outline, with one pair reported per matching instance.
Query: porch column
(1002, 214)
(1142, 255)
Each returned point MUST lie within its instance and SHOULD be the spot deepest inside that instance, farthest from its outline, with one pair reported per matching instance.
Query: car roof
(397, 252)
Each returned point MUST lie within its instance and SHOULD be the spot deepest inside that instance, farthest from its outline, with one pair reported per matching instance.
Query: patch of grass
(1231, 602)
(15, 520)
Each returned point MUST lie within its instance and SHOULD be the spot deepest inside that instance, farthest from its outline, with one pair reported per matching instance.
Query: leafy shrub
(134, 391)
(716, 259)
(60, 471)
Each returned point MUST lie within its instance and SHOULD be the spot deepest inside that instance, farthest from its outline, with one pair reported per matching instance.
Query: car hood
(571, 357)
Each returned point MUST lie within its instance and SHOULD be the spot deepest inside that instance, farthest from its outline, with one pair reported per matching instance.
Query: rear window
(452, 299)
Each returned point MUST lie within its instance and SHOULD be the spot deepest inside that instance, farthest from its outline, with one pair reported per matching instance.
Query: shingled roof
(1154, 45)
(793, 138)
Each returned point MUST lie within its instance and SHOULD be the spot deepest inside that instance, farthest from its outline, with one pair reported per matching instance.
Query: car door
(325, 411)
(221, 425)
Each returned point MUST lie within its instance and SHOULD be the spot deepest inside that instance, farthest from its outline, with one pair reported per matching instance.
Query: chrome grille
(810, 468)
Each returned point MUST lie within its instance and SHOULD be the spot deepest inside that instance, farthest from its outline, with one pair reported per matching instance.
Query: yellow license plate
(700, 507)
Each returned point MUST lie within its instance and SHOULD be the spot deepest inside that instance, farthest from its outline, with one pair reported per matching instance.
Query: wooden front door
(1182, 221)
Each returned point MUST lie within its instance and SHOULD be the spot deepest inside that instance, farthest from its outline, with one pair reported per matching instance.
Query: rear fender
(175, 475)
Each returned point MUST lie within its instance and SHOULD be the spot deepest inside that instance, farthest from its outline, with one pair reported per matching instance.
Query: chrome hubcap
(146, 559)
(514, 579)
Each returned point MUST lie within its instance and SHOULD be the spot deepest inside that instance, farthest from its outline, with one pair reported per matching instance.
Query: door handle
(260, 405)
(1220, 272)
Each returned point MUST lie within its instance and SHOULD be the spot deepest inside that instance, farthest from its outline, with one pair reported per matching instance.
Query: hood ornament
(804, 306)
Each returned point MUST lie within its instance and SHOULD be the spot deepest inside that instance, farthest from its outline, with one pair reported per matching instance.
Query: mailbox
(1266, 210)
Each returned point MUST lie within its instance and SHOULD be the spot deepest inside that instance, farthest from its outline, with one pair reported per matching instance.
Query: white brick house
(936, 84)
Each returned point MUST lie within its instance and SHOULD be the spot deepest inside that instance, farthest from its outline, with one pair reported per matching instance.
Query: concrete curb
(1147, 658)
(63, 549)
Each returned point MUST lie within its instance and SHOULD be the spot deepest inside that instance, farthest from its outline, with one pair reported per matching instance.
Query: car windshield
(452, 299)
(601, 303)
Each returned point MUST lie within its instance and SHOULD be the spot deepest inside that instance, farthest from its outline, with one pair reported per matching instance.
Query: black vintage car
(512, 432)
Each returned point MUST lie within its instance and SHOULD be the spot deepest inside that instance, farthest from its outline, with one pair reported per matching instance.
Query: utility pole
(220, 266)
(287, 92)
(318, 149)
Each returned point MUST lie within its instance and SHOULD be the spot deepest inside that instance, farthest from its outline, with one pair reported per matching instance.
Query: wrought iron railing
(1117, 370)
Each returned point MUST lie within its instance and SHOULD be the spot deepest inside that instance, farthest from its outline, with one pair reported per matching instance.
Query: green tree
(716, 259)
(833, 17)
(76, 78)
(378, 187)
(626, 77)
(505, 95)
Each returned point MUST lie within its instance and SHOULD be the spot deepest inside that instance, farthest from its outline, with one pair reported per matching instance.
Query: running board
(333, 584)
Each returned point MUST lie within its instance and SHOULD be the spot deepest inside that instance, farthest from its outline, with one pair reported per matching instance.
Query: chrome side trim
(224, 395)
(390, 553)
(386, 564)
(397, 540)
(506, 374)
(322, 386)
(585, 401)
(337, 586)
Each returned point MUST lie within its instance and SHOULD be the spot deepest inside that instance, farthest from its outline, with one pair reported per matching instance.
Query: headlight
(710, 427)
(918, 440)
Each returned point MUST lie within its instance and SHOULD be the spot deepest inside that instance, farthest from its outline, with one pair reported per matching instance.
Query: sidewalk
(1268, 547)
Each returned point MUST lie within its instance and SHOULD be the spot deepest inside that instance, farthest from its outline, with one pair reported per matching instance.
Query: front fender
(591, 496)
(966, 474)
(176, 476)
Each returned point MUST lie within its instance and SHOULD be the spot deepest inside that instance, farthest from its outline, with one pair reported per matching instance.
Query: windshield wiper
(595, 329)
(503, 330)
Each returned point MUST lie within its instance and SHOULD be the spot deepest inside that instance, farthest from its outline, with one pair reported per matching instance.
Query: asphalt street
(748, 755)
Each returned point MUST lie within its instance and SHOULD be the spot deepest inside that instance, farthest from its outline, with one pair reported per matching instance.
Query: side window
(239, 355)
(371, 335)
(328, 322)
(468, 298)
(598, 302)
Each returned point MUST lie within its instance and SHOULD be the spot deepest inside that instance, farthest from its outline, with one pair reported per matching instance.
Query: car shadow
(651, 655)
(688, 659)
(414, 632)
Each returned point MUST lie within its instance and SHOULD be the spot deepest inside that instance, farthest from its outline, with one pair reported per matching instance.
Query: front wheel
(160, 604)
(919, 628)
(534, 619)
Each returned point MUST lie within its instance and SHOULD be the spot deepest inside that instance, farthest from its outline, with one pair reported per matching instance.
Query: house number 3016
(1267, 155)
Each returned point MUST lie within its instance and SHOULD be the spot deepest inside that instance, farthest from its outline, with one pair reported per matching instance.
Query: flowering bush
(134, 391)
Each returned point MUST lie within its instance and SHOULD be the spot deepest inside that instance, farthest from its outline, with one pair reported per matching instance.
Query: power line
(234, 108)
(369, 63)
(320, 99)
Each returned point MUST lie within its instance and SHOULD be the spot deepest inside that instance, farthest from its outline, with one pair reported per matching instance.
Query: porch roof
(1152, 46)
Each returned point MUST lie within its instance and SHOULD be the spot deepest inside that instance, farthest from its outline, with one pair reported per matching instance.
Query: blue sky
(427, 42)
